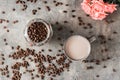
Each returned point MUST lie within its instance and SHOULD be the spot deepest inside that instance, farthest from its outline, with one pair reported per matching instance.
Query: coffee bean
(39, 8)
(73, 16)
(114, 70)
(73, 10)
(104, 66)
(37, 32)
(3, 12)
(7, 30)
(90, 67)
(71, 31)
(65, 11)
(48, 8)
(45, 2)
(97, 76)
(4, 39)
(114, 32)
(87, 15)
(66, 4)
(65, 21)
(50, 50)
(34, 11)
(13, 9)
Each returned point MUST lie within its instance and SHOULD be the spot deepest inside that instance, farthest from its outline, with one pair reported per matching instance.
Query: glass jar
(49, 32)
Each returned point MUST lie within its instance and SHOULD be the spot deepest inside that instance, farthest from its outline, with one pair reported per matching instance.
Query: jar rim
(49, 32)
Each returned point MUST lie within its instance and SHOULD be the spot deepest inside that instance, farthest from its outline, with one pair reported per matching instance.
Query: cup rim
(69, 56)
(48, 26)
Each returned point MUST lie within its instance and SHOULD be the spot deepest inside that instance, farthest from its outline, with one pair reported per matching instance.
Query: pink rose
(110, 8)
(98, 6)
(97, 9)
(86, 1)
(93, 1)
(98, 15)
(86, 7)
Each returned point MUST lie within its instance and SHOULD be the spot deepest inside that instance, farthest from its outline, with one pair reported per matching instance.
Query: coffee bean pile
(4, 71)
(37, 31)
(16, 75)
(56, 65)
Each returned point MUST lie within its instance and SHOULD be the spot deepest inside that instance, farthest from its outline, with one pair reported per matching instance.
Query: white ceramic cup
(78, 47)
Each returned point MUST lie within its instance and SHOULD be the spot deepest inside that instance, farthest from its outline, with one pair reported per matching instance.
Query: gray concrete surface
(78, 69)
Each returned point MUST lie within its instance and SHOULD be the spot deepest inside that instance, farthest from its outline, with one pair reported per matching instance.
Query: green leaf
(118, 0)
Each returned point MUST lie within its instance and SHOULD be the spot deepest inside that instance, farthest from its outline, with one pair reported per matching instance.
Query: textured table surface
(104, 60)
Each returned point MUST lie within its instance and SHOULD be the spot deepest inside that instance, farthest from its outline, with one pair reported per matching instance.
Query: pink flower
(110, 8)
(86, 7)
(97, 9)
(86, 1)
(98, 6)
(98, 15)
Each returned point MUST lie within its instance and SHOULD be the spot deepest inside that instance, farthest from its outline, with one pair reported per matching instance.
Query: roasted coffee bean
(37, 32)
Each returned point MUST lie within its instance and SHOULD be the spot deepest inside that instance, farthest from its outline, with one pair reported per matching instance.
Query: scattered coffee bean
(59, 39)
(34, 11)
(50, 50)
(57, 23)
(90, 67)
(16, 21)
(59, 50)
(18, 47)
(73, 10)
(3, 12)
(87, 15)
(65, 21)
(85, 27)
(60, 28)
(51, 78)
(71, 31)
(32, 78)
(5, 27)
(61, 44)
(65, 11)
(104, 66)
(2, 63)
(114, 32)
(7, 76)
(7, 30)
(42, 50)
(39, 8)
(45, 2)
(54, 1)
(108, 58)
(66, 4)
(13, 9)
(5, 39)
(73, 16)
(12, 47)
(97, 76)
(80, 24)
(52, 70)
(48, 8)
(6, 43)
(114, 70)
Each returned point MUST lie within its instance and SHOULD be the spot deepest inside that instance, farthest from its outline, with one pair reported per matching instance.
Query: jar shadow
(60, 33)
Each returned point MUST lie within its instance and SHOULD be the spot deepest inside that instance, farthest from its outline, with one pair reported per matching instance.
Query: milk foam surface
(77, 47)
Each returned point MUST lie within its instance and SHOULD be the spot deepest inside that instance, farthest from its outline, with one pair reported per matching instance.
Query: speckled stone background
(104, 60)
